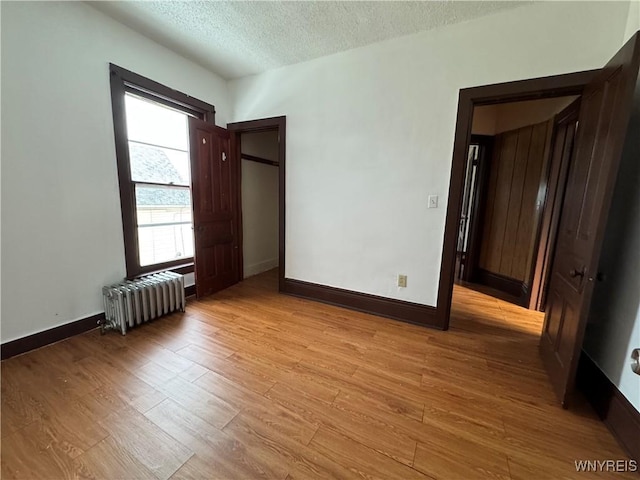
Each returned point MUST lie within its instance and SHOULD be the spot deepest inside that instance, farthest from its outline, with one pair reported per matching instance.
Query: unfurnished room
(320, 239)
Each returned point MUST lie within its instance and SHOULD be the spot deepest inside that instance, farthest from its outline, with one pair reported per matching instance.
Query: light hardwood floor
(253, 384)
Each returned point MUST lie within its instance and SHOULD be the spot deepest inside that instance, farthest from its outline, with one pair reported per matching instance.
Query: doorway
(261, 147)
(259, 190)
(608, 98)
(546, 87)
(515, 177)
(217, 196)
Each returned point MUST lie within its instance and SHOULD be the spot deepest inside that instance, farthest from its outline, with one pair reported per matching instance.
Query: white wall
(370, 135)
(61, 223)
(633, 19)
(259, 203)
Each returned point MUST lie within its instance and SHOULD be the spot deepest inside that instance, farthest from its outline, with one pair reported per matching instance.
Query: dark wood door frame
(278, 124)
(537, 88)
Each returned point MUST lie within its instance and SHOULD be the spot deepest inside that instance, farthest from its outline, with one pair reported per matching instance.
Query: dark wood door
(603, 119)
(214, 179)
(565, 125)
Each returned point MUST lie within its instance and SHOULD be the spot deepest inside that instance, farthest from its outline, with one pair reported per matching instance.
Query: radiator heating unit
(131, 303)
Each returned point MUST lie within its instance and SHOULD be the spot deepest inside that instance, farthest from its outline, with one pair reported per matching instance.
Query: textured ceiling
(235, 38)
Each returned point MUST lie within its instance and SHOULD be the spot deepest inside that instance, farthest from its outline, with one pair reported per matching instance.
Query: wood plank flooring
(252, 384)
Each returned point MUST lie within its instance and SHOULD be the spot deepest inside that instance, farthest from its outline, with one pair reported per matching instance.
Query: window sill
(181, 269)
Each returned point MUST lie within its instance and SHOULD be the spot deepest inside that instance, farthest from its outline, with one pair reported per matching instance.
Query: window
(158, 141)
(152, 149)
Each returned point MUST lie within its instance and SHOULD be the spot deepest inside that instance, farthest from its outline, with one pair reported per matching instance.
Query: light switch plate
(402, 280)
(433, 201)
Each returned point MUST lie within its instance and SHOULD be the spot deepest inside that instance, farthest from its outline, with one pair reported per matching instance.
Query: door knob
(635, 361)
(576, 273)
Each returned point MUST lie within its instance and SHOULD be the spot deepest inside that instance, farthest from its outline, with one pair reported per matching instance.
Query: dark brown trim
(55, 334)
(127, 200)
(234, 154)
(514, 291)
(554, 86)
(266, 124)
(160, 93)
(363, 302)
(40, 339)
(617, 413)
(255, 158)
(566, 84)
(495, 280)
(122, 81)
(259, 125)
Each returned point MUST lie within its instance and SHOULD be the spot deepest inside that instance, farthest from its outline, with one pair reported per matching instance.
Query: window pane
(158, 165)
(151, 122)
(164, 224)
(165, 243)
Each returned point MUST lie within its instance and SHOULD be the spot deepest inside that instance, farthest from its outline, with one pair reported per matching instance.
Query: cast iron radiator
(131, 303)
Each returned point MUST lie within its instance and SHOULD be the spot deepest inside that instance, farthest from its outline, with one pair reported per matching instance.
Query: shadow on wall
(615, 310)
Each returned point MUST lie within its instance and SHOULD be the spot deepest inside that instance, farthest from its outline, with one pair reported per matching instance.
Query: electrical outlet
(433, 201)
(402, 280)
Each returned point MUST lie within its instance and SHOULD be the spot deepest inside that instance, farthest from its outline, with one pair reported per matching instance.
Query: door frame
(236, 129)
(532, 89)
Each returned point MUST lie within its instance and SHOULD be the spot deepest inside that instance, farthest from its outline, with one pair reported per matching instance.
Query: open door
(604, 116)
(562, 145)
(214, 178)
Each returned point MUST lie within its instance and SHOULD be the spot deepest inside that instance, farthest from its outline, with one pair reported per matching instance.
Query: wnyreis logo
(606, 465)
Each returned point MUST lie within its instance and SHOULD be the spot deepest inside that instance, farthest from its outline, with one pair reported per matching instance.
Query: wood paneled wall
(514, 202)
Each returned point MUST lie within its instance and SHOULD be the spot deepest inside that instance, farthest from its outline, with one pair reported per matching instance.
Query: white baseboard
(256, 268)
